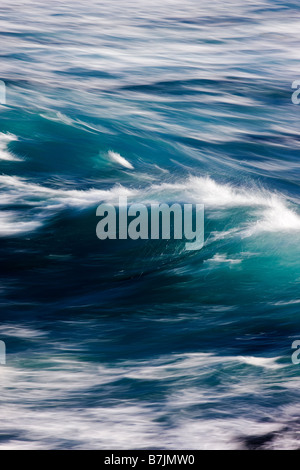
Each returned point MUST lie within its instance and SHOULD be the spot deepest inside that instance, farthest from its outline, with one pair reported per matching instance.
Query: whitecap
(5, 154)
(117, 158)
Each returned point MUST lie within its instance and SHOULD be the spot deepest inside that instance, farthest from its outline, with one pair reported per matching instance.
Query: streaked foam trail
(119, 424)
(12, 224)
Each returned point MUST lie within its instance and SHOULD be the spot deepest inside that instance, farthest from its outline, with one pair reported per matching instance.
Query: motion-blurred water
(143, 344)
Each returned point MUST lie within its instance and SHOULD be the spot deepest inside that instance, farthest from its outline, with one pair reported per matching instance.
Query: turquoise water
(142, 344)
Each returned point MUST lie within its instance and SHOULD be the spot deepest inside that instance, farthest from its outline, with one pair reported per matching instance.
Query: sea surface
(143, 344)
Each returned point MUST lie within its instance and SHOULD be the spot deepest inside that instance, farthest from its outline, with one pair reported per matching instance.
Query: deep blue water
(142, 344)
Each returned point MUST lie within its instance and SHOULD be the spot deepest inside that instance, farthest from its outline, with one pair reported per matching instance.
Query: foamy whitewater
(121, 344)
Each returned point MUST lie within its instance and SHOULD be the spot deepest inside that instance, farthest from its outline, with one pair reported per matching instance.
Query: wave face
(115, 342)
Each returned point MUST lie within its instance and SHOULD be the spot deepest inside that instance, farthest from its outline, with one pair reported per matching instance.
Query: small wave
(270, 210)
(11, 223)
(5, 154)
(117, 158)
(264, 362)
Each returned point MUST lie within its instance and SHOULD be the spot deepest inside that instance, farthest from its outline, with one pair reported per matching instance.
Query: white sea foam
(222, 258)
(21, 332)
(34, 392)
(21, 190)
(11, 223)
(277, 217)
(264, 362)
(271, 210)
(117, 158)
(290, 302)
(5, 154)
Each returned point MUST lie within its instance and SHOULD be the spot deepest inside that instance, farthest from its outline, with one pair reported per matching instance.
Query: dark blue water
(142, 344)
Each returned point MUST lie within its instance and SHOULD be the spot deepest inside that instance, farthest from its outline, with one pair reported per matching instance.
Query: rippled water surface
(142, 344)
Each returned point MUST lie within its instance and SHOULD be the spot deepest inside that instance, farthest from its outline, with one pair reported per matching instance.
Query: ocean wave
(271, 212)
